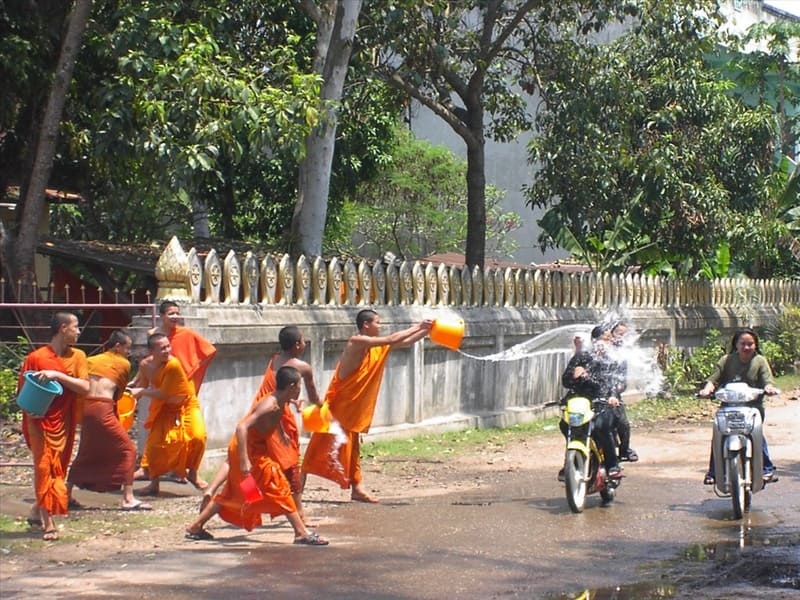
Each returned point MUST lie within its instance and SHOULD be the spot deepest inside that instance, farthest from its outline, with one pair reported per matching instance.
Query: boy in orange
(52, 436)
(106, 454)
(293, 345)
(352, 395)
(248, 455)
(170, 444)
(195, 354)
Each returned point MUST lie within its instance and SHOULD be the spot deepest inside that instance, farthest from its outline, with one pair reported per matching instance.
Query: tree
(416, 206)
(336, 22)
(24, 240)
(645, 157)
(468, 61)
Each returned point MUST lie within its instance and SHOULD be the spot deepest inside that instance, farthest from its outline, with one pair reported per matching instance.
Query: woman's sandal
(51, 535)
(311, 539)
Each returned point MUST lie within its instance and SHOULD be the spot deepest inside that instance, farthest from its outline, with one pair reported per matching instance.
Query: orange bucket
(448, 332)
(317, 419)
(126, 409)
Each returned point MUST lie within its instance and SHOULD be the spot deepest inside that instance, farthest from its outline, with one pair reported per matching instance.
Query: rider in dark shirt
(589, 374)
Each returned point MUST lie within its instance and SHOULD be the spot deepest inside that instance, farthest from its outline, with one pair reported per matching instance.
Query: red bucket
(250, 489)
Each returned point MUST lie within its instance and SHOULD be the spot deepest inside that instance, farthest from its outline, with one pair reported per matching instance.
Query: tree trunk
(475, 252)
(33, 203)
(336, 26)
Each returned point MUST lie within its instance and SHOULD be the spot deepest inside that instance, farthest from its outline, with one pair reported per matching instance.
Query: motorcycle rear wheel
(575, 480)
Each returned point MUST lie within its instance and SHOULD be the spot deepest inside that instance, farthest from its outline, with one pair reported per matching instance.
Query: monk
(293, 345)
(106, 455)
(171, 445)
(195, 354)
(351, 397)
(52, 436)
(248, 457)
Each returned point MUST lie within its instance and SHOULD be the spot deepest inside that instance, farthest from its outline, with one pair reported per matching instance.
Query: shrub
(703, 359)
(11, 357)
(784, 333)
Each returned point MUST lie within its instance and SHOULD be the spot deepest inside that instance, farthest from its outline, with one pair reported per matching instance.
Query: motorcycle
(584, 470)
(737, 446)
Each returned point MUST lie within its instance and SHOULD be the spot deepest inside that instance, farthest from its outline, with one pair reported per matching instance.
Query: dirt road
(492, 524)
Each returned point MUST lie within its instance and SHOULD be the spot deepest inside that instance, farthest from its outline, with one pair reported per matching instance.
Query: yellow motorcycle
(584, 470)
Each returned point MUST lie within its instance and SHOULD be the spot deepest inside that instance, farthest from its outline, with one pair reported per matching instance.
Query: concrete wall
(429, 388)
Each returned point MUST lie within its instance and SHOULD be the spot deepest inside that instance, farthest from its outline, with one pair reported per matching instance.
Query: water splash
(643, 370)
(554, 341)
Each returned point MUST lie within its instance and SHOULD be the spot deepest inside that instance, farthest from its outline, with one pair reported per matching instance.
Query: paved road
(498, 527)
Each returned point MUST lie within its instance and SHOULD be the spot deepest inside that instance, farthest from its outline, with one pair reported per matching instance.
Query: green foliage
(684, 371)
(782, 350)
(643, 127)
(11, 357)
(416, 206)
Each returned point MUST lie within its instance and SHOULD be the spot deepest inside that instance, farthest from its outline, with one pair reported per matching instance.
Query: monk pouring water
(352, 396)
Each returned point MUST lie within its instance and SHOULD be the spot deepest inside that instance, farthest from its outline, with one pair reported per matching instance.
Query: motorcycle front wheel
(575, 479)
(740, 495)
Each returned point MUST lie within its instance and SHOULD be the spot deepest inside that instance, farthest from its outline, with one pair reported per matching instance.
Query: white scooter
(737, 446)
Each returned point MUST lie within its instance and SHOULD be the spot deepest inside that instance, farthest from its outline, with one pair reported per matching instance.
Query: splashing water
(643, 370)
(339, 438)
(556, 340)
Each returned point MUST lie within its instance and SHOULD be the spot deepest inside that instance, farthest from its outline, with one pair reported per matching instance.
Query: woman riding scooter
(743, 364)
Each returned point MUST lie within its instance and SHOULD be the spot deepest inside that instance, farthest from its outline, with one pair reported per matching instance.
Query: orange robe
(195, 354)
(106, 455)
(352, 401)
(172, 445)
(277, 495)
(194, 351)
(286, 455)
(51, 437)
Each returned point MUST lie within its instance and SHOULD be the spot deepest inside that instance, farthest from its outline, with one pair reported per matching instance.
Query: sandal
(709, 479)
(34, 522)
(51, 535)
(136, 505)
(198, 536)
(630, 456)
(311, 539)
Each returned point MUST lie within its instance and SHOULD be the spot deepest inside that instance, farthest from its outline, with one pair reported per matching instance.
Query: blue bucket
(35, 397)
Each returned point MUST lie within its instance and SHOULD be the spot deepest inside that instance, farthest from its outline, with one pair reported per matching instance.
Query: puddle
(756, 559)
(636, 591)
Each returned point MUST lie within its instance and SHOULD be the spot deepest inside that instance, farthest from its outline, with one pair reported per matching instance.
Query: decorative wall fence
(278, 280)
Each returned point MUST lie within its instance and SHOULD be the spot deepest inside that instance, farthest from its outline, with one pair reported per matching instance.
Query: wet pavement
(496, 527)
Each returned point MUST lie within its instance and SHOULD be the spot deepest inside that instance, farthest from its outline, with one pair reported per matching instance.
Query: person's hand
(706, 391)
(579, 373)
(613, 401)
(46, 375)
(426, 324)
(771, 390)
(244, 466)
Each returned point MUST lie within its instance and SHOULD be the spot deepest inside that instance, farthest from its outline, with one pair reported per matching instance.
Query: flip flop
(311, 539)
(201, 535)
(34, 522)
(51, 535)
(75, 505)
(136, 506)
